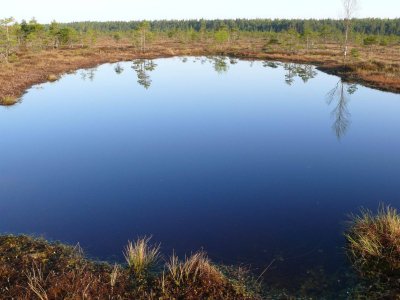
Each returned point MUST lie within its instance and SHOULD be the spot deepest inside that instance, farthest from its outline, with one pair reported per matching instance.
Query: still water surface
(256, 162)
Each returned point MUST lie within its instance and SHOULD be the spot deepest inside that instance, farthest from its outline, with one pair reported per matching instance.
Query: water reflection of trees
(88, 74)
(118, 69)
(233, 61)
(340, 96)
(303, 71)
(271, 64)
(220, 64)
(143, 67)
(306, 72)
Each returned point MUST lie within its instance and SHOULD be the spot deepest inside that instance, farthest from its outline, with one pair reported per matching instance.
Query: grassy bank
(378, 69)
(32, 268)
(373, 247)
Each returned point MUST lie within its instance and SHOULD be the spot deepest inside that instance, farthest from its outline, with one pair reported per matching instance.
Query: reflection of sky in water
(241, 158)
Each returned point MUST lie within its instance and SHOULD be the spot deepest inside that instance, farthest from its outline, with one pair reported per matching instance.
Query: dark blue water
(253, 161)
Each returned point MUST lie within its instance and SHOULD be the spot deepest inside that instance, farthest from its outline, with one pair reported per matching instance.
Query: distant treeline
(370, 26)
(275, 35)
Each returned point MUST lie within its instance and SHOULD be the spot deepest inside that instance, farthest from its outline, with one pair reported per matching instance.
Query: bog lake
(258, 163)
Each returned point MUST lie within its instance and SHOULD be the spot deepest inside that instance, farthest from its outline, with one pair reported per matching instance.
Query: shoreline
(48, 65)
(33, 268)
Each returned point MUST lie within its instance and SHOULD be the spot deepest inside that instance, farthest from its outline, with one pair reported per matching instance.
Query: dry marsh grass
(373, 246)
(9, 101)
(141, 256)
(379, 68)
(196, 277)
(192, 269)
(32, 268)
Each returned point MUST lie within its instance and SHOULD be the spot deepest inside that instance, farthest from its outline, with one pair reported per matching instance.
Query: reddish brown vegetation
(379, 70)
(36, 269)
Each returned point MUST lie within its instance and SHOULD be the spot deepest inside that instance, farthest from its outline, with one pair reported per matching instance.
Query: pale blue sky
(102, 10)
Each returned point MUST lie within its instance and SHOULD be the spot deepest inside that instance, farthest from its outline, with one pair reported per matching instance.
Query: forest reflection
(339, 95)
(293, 70)
(221, 65)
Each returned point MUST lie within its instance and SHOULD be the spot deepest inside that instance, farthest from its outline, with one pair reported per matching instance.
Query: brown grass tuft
(141, 256)
(8, 101)
(373, 244)
(52, 77)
